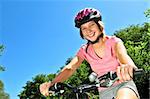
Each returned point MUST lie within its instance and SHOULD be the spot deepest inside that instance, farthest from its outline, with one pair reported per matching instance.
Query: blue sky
(39, 35)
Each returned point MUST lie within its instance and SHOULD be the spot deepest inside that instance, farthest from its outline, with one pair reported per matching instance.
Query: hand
(125, 72)
(44, 88)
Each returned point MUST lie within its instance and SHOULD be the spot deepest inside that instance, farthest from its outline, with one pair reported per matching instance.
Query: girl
(103, 53)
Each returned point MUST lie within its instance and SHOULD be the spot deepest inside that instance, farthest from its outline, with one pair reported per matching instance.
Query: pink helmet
(86, 15)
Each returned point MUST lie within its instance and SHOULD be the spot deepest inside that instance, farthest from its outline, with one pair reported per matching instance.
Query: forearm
(63, 75)
(68, 70)
(122, 55)
(126, 59)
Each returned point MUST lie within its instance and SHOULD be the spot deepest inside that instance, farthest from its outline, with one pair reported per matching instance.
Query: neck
(99, 43)
(100, 40)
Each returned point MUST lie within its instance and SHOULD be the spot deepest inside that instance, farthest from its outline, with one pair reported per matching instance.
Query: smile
(91, 34)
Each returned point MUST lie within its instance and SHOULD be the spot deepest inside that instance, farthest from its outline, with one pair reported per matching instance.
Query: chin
(92, 40)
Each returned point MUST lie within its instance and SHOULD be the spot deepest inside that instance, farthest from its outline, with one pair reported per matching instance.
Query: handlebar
(108, 79)
(113, 76)
(105, 80)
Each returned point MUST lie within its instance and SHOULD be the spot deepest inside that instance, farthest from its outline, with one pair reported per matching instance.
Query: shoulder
(83, 46)
(114, 42)
(113, 39)
(82, 49)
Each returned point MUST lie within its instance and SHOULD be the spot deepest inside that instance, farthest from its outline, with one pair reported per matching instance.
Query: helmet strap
(98, 38)
(93, 42)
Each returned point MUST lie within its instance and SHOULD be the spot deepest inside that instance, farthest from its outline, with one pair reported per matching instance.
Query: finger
(119, 73)
(46, 94)
(123, 75)
(42, 86)
(43, 93)
(126, 73)
(131, 72)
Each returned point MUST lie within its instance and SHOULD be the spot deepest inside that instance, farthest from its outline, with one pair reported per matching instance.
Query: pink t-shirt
(108, 62)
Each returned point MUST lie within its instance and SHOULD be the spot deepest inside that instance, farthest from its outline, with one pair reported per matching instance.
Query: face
(90, 31)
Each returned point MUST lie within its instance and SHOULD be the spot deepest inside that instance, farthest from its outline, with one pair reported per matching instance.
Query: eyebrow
(92, 22)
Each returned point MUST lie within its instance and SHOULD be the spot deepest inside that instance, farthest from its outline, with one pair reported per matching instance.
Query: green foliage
(31, 89)
(81, 74)
(147, 13)
(1, 50)
(2, 68)
(3, 95)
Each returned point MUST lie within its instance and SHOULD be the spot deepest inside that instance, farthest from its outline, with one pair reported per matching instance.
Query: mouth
(91, 34)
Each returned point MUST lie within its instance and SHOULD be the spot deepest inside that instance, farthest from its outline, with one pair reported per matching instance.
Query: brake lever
(109, 78)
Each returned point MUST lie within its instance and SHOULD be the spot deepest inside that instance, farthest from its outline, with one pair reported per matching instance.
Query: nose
(88, 31)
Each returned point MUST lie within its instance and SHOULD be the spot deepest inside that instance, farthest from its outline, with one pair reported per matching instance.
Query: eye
(92, 25)
(83, 29)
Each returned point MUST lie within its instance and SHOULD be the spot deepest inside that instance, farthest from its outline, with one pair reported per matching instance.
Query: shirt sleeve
(114, 40)
(81, 52)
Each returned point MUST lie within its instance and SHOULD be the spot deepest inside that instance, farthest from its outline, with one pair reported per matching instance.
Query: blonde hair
(103, 28)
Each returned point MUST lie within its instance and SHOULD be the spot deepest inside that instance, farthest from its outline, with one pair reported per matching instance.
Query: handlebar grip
(136, 72)
(56, 87)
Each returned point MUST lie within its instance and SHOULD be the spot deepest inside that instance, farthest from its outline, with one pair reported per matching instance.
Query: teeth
(92, 34)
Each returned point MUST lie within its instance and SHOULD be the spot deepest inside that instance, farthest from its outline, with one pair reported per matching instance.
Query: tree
(3, 95)
(147, 13)
(1, 50)
(31, 89)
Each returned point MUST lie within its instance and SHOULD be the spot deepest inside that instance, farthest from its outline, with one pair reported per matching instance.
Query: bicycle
(81, 92)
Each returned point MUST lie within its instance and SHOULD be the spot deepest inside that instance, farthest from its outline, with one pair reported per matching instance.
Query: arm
(65, 73)
(125, 71)
(68, 70)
